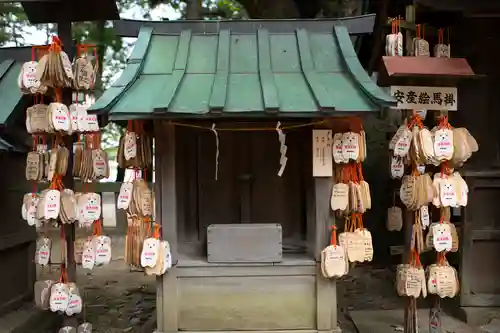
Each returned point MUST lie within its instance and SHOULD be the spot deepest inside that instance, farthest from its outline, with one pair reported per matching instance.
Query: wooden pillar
(326, 289)
(166, 214)
(65, 35)
(64, 32)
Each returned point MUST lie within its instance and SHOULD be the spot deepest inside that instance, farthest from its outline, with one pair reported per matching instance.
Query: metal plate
(243, 243)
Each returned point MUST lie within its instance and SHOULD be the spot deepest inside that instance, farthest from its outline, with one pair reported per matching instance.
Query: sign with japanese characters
(425, 98)
(322, 153)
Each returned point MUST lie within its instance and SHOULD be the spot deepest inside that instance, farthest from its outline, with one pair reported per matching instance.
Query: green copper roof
(10, 95)
(299, 73)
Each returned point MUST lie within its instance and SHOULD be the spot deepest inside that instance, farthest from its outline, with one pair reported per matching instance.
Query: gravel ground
(367, 287)
(115, 299)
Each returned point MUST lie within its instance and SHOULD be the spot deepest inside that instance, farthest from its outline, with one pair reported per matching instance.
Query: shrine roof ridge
(356, 25)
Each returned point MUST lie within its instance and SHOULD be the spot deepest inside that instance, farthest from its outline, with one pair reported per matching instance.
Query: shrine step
(28, 319)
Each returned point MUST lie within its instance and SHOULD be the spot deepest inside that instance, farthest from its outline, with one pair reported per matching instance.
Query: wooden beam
(165, 155)
(65, 35)
(326, 289)
(356, 25)
(158, 211)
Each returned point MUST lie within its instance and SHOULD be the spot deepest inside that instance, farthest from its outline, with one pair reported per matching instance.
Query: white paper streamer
(217, 151)
(283, 149)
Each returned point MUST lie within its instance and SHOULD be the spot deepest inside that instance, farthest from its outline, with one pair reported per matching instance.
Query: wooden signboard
(425, 98)
(322, 153)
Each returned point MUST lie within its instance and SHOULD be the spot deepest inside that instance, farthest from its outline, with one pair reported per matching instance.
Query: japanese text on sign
(322, 153)
(425, 98)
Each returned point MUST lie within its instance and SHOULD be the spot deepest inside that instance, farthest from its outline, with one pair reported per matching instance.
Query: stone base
(28, 319)
(476, 316)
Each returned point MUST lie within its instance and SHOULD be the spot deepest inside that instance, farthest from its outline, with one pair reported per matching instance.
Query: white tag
(66, 64)
(167, 260)
(88, 256)
(350, 146)
(402, 146)
(24, 212)
(424, 217)
(60, 117)
(102, 245)
(443, 143)
(82, 118)
(73, 111)
(59, 297)
(52, 204)
(355, 246)
(75, 301)
(337, 148)
(335, 261)
(447, 193)
(99, 164)
(368, 244)
(92, 210)
(340, 197)
(441, 237)
(92, 123)
(31, 211)
(149, 254)
(397, 167)
(74, 304)
(125, 195)
(43, 253)
(130, 146)
(29, 75)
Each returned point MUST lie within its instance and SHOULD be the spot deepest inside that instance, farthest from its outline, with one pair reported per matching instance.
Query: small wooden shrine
(214, 93)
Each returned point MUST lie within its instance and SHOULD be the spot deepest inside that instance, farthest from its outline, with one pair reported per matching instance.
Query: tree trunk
(193, 9)
(341, 8)
(262, 9)
(101, 51)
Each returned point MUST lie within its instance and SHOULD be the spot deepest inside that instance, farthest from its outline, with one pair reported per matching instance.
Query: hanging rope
(249, 129)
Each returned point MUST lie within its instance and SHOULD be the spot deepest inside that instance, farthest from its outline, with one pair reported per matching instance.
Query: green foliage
(12, 24)
(225, 9)
(110, 136)
(210, 9)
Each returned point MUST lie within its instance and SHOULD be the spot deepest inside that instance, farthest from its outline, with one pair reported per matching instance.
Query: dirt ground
(119, 300)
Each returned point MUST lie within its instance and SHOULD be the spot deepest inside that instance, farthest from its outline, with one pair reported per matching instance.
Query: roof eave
(107, 102)
(356, 25)
(358, 73)
(132, 70)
